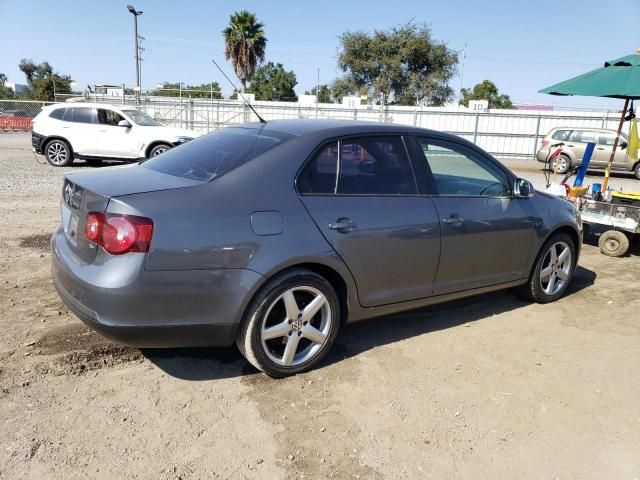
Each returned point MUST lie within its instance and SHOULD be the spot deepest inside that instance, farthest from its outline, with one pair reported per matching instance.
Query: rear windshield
(561, 135)
(217, 153)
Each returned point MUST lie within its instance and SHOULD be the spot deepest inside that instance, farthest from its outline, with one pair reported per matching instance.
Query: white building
(17, 88)
(108, 90)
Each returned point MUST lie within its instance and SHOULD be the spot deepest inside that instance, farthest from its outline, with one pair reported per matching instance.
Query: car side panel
(490, 245)
(394, 247)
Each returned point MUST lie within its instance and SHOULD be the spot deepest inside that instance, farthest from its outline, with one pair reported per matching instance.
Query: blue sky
(518, 45)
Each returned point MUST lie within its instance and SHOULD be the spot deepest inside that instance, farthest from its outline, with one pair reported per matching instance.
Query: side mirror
(523, 188)
(623, 144)
(124, 123)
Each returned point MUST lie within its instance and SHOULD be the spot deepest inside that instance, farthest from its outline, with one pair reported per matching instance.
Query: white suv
(96, 132)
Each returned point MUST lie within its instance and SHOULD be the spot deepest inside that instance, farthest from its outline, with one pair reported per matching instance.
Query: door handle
(601, 148)
(570, 146)
(342, 225)
(453, 220)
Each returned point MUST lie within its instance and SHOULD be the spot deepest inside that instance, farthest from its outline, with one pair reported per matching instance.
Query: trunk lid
(91, 191)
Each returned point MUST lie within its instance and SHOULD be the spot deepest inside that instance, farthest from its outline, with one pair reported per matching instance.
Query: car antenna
(262, 120)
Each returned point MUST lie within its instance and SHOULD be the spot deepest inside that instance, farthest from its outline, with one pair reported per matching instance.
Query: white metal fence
(504, 133)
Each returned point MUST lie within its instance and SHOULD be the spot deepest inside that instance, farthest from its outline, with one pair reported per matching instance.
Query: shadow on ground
(216, 363)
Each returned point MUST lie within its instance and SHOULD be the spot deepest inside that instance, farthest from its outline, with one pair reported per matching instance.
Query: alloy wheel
(560, 164)
(57, 153)
(159, 150)
(556, 267)
(296, 326)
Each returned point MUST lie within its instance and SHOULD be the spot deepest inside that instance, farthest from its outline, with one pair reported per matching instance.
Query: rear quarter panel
(209, 226)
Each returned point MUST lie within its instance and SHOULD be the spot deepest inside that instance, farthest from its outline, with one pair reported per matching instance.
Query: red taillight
(119, 234)
(545, 143)
(92, 226)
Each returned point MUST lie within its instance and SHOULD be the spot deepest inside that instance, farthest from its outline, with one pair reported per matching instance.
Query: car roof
(592, 129)
(91, 105)
(330, 127)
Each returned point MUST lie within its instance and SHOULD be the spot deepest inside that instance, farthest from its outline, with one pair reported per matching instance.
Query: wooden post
(613, 150)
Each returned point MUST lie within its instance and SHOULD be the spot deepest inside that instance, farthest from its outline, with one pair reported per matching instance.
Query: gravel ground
(488, 387)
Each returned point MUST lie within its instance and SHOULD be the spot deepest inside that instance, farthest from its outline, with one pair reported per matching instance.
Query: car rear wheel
(158, 149)
(636, 171)
(291, 324)
(58, 153)
(561, 163)
(553, 269)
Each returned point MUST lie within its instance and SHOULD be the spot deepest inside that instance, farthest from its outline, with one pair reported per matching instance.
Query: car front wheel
(158, 149)
(58, 153)
(553, 269)
(636, 171)
(291, 324)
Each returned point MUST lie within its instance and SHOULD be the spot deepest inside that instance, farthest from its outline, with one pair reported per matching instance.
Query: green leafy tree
(194, 91)
(486, 90)
(5, 92)
(403, 65)
(344, 87)
(323, 93)
(43, 81)
(245, 44)
(273, 82)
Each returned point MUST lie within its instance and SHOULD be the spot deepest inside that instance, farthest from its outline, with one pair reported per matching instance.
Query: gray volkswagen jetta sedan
(274, 235)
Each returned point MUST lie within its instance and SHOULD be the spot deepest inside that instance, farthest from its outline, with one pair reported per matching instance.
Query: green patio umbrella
(617, 79)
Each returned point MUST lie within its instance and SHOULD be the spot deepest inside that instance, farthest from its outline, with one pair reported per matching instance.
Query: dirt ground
(489, 387)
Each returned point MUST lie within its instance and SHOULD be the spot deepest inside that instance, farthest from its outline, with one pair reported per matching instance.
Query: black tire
(533, 289)
(613, 243)
(93, 162)
(266, 310)
(58, 153)
(562, 164)
(159, 149)
(636, 171)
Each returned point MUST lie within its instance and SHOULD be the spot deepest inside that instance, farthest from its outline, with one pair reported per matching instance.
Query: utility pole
(136, 38)
(317, 91)
(464, 57)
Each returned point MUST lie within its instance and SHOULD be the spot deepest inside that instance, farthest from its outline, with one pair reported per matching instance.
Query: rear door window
(583, 136)
(319, 176)
(78, 115)
(375, 166)
(217, 153)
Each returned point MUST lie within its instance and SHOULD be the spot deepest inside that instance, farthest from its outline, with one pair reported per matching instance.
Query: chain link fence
(504, 133)
(16, 115)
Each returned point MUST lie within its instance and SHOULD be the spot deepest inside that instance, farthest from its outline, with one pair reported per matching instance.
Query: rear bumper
(170, 336)
(37, 141)
(151, 309)
(541, 155)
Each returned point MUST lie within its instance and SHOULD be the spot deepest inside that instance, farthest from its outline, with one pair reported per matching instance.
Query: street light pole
(136, 14)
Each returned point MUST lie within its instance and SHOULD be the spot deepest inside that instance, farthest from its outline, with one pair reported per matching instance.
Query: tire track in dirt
(315, 439)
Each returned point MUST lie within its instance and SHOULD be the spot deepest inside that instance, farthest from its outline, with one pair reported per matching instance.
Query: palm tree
(245, 44)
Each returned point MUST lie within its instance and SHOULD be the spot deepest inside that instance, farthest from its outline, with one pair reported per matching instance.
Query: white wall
(501, 132)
